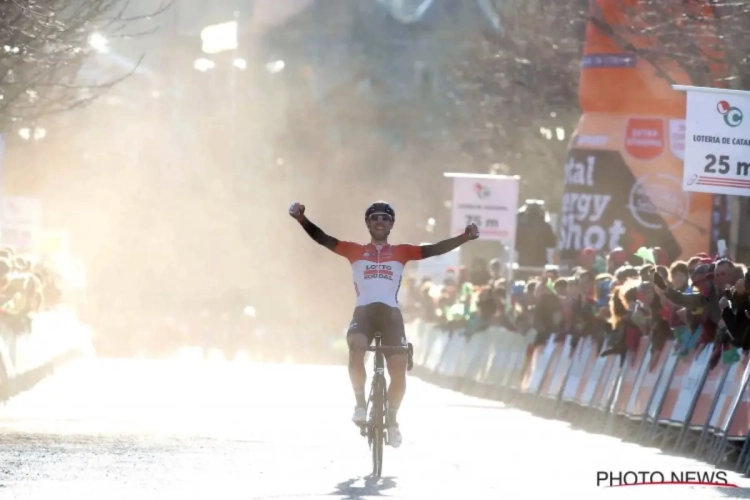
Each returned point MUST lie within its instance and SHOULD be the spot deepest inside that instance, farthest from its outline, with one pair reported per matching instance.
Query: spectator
(693, 263)
(621, 306)
(587, 259)
(646, 272)
(629, 319)
(616, 259)
(724, 274)
(482, 273)
(704, 305)
(495, 271)
(663, 272)
(678, 276)
(534, 237)
(736, 314)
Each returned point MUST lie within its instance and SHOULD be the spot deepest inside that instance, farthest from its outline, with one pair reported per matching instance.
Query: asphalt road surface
(188, 428)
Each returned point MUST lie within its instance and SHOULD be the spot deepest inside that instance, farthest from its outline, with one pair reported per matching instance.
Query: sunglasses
(380, 218)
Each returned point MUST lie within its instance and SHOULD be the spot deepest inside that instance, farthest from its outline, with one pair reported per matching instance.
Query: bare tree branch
(45, 44)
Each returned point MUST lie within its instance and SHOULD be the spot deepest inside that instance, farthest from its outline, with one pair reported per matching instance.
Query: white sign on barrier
(670, 365)
(560, 369)
(592, 381)
(690, 385)
(717, 141)
(580, 362)
(540, 367)
(640, 375)
(489, 201)
(512, 375)
(501, 356)
(611, 374)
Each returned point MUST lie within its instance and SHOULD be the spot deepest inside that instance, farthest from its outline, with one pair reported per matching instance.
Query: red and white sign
(717, 144)
(490, 202)
(644, 138)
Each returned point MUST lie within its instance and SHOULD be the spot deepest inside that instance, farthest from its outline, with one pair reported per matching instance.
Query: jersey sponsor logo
(378, 271)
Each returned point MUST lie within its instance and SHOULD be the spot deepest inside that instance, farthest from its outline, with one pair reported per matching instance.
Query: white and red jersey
(378, 269)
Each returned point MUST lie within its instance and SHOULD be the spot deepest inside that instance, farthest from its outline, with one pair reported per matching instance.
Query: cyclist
(378, 268)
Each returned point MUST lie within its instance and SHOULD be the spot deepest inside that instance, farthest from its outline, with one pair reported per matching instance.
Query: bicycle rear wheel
(378, 426)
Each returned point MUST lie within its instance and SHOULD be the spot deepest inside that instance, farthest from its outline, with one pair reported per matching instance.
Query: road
(188, 428)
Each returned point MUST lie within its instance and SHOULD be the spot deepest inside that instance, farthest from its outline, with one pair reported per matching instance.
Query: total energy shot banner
(623, 187)
(623, 174)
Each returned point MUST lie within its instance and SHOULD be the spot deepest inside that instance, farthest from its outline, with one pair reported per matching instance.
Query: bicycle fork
(378, 383)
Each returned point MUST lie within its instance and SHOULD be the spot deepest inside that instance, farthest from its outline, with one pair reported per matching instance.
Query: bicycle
(374, 428)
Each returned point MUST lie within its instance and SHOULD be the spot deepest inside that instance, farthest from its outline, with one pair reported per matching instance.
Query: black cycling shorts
(378, 317)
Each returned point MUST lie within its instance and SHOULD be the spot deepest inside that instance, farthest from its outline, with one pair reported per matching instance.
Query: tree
(516, 82)
(44, 45)
(523, 75)
(704, 39)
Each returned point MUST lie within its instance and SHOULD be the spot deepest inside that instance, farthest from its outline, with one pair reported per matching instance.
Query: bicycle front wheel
(378, 426)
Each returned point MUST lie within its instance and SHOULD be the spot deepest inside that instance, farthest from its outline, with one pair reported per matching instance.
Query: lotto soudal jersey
(378, 269)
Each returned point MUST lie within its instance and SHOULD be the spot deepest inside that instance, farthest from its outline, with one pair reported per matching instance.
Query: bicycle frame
(375, 428)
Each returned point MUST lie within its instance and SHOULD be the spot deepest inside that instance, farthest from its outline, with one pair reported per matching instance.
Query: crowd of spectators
(26, 287)
(615, 299)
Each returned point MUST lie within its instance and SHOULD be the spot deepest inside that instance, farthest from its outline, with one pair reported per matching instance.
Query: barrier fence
(668, 398)
(55, 337)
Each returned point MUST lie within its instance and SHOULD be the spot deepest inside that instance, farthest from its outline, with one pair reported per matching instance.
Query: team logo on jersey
(378, 271)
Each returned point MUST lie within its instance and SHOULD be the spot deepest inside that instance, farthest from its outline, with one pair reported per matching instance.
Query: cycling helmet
(380, 207)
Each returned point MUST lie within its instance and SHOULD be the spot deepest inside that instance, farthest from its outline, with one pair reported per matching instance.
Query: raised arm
(343, 248)
(317, 234)
(688, 301)
(416, 252)
(443, 247)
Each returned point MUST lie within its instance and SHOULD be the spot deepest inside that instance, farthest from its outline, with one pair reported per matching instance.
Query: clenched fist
(296, 210)
(472, 231)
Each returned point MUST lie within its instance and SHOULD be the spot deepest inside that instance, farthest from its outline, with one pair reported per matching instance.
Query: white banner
(20, 219)
(490, 202)
(717, 142)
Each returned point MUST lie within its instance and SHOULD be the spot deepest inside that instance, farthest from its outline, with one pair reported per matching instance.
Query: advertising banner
(624, 171)
(623, 188)
(717, 148)
(626, 68)
(489, 201)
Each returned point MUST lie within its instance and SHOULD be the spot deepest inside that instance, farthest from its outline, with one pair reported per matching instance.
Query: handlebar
(384, 348)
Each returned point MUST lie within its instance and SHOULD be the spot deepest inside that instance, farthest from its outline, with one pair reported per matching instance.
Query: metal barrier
(25, 358)
(668, 398)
